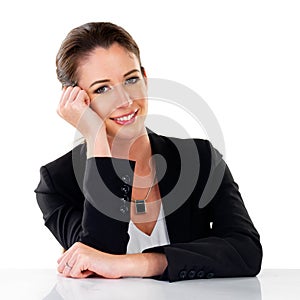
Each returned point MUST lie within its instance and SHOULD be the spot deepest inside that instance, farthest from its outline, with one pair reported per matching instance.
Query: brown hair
(81, 40)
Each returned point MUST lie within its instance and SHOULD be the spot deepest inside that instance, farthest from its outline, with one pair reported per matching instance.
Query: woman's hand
(73, 104)
(74, 107)
(81, 261)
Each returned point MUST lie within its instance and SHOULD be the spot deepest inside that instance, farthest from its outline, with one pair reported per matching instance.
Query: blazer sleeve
(62, 217)
(76, 216)
(231, 248)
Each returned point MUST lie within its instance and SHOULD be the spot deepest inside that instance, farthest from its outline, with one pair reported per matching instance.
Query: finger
(79, 268)
(82, 100)
(68, 262)
(69, 95)
(63, 100)
(65, 95)
(61, 267)
(68, 259)
(61, 258)
(63, 262)
(82, 96)
(73, 94)
(67, 269)
(84, 274)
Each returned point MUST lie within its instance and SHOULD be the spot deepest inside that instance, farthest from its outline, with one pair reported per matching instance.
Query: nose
(122, 97)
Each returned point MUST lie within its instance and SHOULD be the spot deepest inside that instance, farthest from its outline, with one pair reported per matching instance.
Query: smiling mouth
(126, 119)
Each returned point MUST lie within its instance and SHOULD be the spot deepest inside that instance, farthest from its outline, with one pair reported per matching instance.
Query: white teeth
(126, 118)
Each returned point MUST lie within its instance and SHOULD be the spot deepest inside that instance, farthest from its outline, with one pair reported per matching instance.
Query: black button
(200, 274)
(126, 179)
(125, 189)
(192, 274)
(125, 199)
(210, 275)
(182, 274)
(124, 209)
(124, 205)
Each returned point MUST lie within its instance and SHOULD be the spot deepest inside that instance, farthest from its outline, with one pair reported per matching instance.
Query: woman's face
(117, 89)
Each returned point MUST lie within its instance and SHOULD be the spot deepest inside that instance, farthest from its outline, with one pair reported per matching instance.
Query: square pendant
(140, 207)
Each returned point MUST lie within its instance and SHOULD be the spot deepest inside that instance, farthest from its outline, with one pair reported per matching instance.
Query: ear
(143, 71)
(144, 74)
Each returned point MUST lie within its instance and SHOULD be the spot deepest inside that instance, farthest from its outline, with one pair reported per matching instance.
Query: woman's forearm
(80, 261)
(143, 264)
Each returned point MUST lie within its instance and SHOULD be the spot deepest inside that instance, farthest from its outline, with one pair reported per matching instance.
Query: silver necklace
(140, 204)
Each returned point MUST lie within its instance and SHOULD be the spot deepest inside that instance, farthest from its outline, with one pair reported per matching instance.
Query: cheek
(137, 91)
(102, 106)
(143, 104)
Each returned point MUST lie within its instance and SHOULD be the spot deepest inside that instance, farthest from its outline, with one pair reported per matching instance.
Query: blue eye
(132, 80)
(101, 90)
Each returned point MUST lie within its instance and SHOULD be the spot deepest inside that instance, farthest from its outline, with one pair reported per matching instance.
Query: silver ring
(67, 265)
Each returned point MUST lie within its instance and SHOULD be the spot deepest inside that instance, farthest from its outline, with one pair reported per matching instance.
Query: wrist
(97, 144)
(97, 149)
(142, 264)
(93, 130)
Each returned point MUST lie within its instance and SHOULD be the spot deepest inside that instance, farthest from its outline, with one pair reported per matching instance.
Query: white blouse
(139, 241)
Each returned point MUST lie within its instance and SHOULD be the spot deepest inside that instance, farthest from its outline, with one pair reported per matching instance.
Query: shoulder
(193, 147)
(64, 175)
(191, 157)
(65, 163)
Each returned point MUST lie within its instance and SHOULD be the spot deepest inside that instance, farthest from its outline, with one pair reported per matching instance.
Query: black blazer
(210, 231)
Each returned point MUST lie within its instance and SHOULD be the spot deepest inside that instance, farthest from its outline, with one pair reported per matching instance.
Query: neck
(137, 149)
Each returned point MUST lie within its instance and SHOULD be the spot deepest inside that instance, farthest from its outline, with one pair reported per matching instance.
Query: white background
(241, 57)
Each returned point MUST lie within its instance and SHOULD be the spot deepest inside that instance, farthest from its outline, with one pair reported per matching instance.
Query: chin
(128, 132)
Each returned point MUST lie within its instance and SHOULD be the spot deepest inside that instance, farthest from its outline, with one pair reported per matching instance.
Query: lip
(125, 115)
(125, 122)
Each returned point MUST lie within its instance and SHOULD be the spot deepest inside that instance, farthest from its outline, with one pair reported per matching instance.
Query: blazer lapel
(168, 168)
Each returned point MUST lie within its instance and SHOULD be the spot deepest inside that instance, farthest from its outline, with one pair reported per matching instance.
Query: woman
(127, 202)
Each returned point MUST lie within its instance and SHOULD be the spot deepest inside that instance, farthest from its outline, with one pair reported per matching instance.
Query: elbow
(257, 261)
(250, 256)
(253, 260)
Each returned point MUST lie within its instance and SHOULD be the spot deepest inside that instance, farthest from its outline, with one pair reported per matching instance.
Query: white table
(48, 285)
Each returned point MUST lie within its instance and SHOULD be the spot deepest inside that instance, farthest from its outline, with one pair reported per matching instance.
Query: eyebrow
(107, 80)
